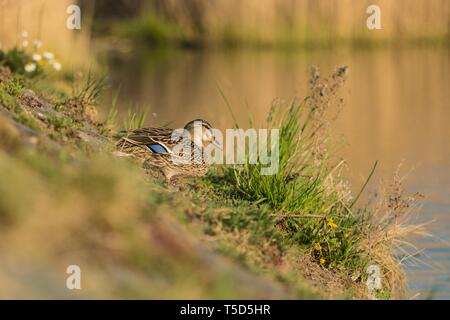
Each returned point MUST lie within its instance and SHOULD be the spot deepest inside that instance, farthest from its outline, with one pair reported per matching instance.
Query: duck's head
(202, 133)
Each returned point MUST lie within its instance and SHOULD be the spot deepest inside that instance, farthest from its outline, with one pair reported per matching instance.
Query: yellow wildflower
(317, 247)
(322, 261)
(331, 223)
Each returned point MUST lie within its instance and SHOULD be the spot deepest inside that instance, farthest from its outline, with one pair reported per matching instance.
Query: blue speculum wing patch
(157, 148)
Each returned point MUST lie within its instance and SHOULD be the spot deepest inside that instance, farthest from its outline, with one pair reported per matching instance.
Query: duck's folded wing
(148, 135)
(157, 140)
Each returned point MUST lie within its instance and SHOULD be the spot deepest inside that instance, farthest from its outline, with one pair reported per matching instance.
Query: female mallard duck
(156, 147)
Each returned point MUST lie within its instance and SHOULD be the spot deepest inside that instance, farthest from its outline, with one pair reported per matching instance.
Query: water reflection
(397, 109)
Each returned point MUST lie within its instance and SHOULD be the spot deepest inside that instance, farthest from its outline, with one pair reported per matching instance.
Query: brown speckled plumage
(136, 143)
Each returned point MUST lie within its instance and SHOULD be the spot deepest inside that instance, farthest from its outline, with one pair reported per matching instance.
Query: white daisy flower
(57, 66)
(24, 34)
(36, 57)
(30, 67)
(48, 55)
(24, 43)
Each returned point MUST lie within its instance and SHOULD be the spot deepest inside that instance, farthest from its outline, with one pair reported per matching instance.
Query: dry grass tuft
(390, 224)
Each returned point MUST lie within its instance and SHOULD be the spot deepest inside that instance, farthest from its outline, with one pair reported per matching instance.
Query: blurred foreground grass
(122, 231)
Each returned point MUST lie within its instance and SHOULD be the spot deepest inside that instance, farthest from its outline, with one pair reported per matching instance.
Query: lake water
(396, 109)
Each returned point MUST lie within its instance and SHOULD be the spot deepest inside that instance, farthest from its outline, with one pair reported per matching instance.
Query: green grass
(134, 120)
(305, 195)
(111, 118)
(87, 89)
(6, 99)
(13, 86)
(11, 89)
(59, 122)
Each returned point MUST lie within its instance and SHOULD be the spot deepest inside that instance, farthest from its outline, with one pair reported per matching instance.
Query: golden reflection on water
(396, 109)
